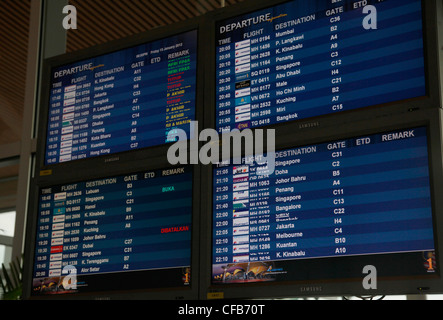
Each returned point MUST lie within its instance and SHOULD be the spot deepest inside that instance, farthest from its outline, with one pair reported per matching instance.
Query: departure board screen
(303, 59)
(365, 198)
(122, 101)
(125, 232)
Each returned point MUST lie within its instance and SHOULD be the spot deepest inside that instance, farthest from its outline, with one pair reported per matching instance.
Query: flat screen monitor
(326, 212)
(122, 233)
(303, 59)
(122, 100)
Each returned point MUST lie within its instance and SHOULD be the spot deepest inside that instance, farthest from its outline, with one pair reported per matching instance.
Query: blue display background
(128, 213)
(130, 100)
(326, 64)
(365, 195)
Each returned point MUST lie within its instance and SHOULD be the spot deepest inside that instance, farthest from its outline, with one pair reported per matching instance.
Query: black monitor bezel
(46, 171)
(186, 292)
(430, 118)
(432, 99)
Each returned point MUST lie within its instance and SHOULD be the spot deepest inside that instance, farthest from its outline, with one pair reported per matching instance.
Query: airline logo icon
(70, 88)
(243, 125)
(242, 52)
(240, 222)
(65, 151)
(66, 130)
(57, 234)
(241, 77)
(241, 214)
(239, 170)
(58, 219)
(69, 110)
(242, 44)
(57, 242)
(243, 84)
(243, 92)
(55, 273)
(65, 158)
(238, 231)
(55, 265)
(67, 137)
(66, 144)
(243, 68)
(241, 195)
(240, 240)
(56, 257)
(241, 178)
(243, 100)
(244, 248)
(60, 196)
(59, 204)
(241, 204)
(69, 95)
(242, 109)
(66, 124)
(243, 60)
(242, 117)
(241, 186)
(58, 226)
(57, 249)
(69, 102)
(68, 116)
(241, 259)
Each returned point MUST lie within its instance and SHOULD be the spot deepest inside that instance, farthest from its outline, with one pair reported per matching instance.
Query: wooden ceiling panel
(14, 29)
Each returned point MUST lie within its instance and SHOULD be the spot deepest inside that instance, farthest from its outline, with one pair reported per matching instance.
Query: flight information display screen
(125, 232)
(365, 198)
(122, 101)
(304, 59)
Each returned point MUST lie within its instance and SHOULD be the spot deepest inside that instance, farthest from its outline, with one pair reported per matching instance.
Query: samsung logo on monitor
(309, 125)
(308, 289)
(114, 159)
